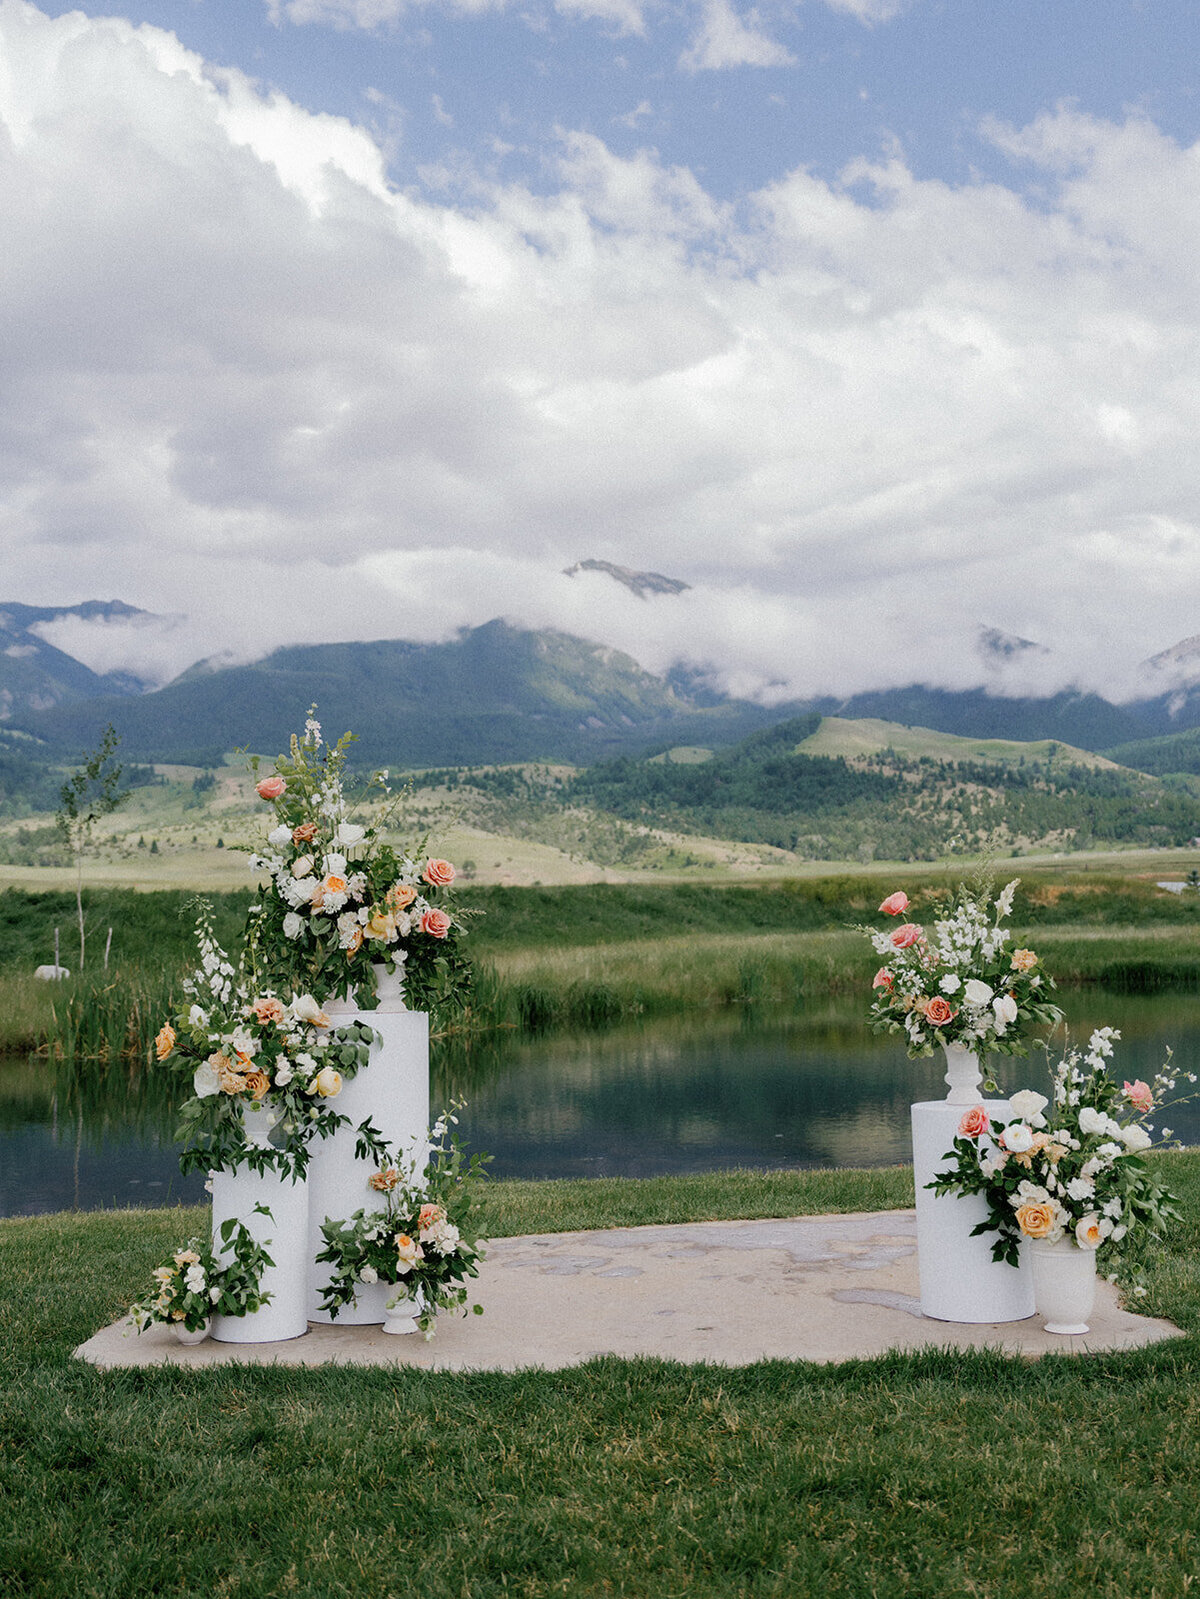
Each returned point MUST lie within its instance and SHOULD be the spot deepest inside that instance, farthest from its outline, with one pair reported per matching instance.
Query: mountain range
(499, 693)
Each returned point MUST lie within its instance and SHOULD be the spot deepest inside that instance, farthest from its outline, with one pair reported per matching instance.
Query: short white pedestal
(393, 1091)
(959, 1279)
(284, 1236)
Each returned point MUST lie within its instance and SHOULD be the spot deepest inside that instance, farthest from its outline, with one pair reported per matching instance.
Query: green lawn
(939, 1474)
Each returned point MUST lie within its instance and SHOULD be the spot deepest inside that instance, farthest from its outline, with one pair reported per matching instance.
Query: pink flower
(939, 1011)
(1139, 1095)
(883, 978)
(904, 937)
(271, 788)
(435, 923)
(439, 874)
(974, 1123)
(895, 904)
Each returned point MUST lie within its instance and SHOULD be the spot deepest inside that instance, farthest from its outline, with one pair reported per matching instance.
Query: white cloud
(725, 39)
(868, 11)
(248, 380)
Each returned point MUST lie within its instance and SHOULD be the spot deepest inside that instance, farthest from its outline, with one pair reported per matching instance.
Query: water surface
(808, 1088)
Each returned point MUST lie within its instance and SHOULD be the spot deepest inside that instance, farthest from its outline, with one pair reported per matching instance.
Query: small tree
(88, 794)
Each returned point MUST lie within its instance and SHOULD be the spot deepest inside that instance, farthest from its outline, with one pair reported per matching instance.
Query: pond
(805, 1088)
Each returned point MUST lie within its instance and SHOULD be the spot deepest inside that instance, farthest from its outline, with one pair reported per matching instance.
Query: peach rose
(268, 1010)
(440, 874)
(257, 1082)
(165, 1042)
(939, 1011)
(895, 904)
(882, 979)
(1036, 1221)
(435, 923)
(1023, 960)
(430, 1215)
(354, 943)
(384, 1181)
(229, 1081)
(1138, 1094)
(305, 833)
(271, 788)
(908, 935)
(974, 1123)
(400, 896)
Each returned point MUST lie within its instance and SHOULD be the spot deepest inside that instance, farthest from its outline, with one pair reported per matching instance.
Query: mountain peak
(639, 583)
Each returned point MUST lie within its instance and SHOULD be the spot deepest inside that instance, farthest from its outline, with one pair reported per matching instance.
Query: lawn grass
(932, 1474)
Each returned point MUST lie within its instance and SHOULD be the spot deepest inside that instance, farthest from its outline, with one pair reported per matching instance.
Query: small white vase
(963, 1075)
(1064, 1284)
(188, 1336)
(390, 987)
(400, 1312)
(258, 1121)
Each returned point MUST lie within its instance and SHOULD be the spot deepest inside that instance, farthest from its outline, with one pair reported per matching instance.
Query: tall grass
(112, 1016)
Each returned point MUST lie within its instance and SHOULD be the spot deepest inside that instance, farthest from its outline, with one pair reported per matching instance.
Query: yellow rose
(327, 1083)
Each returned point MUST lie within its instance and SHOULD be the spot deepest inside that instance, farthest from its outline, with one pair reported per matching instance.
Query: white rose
(197, 1017)
(1088, 1232)
(283, 1075)
(214, 1294)
(335, 865)
(950, 984)
(302, 866)
(368, 1275)
(977, 993)
(293, 925)
(1028, 1104)
(349, 834)
(205, 1080)
(280, 835)
(1092, 1120)
(1135, 1136)
(1017, 1138)
(305, 1009)
(1004, 1009)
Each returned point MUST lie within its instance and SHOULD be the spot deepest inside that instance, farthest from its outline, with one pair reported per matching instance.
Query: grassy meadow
(587, 955)
(942, 1473)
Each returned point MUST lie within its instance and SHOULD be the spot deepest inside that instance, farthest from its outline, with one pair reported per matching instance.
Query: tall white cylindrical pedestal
(284, 1236)
(393, 1091)
(959, 1279)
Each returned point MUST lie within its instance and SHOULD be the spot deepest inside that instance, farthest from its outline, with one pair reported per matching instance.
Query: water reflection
(704, 1093)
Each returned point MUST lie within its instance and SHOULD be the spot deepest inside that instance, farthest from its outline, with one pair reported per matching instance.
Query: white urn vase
(1064, 1284)
(963, 1076)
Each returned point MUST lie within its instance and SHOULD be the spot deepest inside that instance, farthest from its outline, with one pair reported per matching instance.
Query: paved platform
(823, 1288)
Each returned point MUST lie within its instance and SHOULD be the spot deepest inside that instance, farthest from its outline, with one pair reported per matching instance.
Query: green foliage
(199, 1281)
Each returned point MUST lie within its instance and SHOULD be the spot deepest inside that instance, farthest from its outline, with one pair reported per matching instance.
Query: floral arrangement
(339, 898)
(420, 1233)
(252, 1058)
(1067, 1165)
(961, 984)
(198, 1282)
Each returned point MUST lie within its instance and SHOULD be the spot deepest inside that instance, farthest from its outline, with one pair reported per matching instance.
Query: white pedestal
(393, 1091)
(959, 1279)
(284, 1236)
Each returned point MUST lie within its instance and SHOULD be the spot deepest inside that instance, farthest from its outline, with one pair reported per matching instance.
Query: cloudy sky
(873, 321)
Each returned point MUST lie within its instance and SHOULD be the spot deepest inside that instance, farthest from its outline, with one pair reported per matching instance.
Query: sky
(875, 322)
